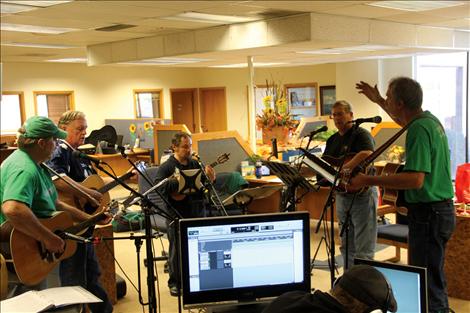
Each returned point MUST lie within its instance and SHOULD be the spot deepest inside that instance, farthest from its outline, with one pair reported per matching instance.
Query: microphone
(195, 156)
(375, 119)
(82, 155)
(314, 132)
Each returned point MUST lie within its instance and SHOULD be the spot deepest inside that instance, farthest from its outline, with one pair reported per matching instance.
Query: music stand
(292, 178)
(244, 197)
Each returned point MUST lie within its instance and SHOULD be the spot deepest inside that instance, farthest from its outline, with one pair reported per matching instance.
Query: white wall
(373, 72)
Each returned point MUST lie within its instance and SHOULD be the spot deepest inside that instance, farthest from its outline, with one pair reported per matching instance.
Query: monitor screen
(409, 284)
(244, 258)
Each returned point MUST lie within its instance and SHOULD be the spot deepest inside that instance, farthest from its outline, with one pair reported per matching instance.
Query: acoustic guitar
(391, 196)
(220, 160)
(96, 182)
(329, 172)
(32, 262)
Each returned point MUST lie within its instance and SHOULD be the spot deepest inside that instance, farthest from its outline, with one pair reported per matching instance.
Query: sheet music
(37, 301)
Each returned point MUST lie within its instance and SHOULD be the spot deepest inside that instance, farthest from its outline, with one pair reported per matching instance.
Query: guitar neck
(113, 184)
(381, 149)
(85, 224)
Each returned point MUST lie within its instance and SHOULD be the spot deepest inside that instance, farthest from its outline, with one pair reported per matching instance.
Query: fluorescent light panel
(241, 65)
(69, 60)
(36, 45)
(415, 6)
(166, 61)
(209, 18)
(10, 7)
(39, 3)
(35, 29)
(7, 8)
(344, 50)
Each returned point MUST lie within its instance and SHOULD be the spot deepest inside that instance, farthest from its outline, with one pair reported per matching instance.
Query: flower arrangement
(275, 112)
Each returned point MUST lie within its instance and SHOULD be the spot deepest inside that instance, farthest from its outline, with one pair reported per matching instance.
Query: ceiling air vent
(114, 27)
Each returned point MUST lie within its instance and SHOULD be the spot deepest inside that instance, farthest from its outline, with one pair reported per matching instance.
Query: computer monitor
(409, 284)
(244, 258)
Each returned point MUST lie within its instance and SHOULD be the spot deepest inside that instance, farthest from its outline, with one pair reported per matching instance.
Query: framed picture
(302, 99)
(327, 99)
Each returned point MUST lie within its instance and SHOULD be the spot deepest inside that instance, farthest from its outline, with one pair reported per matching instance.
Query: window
(148, 103)
(445, 86)
(53, 104)
(12, 112)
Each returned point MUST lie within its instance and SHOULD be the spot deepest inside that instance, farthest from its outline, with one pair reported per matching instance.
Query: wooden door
(183, 106)
(213, 109)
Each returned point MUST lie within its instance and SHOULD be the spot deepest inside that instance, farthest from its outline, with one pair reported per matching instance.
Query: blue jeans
(83, 269)
(362, 230)
(430, 227)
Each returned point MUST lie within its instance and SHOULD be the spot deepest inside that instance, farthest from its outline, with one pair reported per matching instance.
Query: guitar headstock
(223, 158)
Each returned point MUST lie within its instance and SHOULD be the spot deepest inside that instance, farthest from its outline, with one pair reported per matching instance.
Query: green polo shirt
(25, 181)
(427, 151)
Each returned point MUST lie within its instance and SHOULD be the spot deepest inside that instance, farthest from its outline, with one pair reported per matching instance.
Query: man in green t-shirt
(26, 190)
(425, 179)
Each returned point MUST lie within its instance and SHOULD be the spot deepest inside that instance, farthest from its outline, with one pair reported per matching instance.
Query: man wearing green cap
(26, 190)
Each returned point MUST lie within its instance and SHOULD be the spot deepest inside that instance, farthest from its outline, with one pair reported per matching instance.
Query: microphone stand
(347, 220)
(208, 183)
(146, 207)
(329, 204)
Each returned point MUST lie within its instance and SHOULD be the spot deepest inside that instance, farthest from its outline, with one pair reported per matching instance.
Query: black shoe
(174, 291)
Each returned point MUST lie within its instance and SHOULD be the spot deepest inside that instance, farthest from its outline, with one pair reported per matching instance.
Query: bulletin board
(384, 131)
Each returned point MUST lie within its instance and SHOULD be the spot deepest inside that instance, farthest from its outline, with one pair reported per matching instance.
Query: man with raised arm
(425, 179)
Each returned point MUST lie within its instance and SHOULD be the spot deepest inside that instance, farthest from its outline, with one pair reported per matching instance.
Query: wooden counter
(105, 255)
(313, 202)
(457, 261)
(118, 163)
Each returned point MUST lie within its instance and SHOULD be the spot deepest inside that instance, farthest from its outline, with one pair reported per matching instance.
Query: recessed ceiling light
(165, 61)
(241, 65)
(35, 29)
(69, 60)
(415, 6)
(36, 45)
(209, 18)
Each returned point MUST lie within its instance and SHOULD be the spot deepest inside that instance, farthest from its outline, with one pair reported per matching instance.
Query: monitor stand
(240, 307)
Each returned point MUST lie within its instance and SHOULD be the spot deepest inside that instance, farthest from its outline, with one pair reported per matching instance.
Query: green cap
(42, 127)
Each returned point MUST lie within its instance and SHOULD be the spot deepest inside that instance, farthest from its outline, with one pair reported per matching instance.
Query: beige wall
(106, 91)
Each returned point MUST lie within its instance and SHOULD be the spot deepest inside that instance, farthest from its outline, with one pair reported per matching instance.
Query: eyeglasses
(338, 114)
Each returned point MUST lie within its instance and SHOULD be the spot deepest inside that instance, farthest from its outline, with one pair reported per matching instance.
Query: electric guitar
(96, 182)
(32, 262)
(220, 160)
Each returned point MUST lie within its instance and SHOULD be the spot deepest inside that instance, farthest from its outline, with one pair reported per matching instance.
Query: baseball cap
(368, 285)
(42, 127)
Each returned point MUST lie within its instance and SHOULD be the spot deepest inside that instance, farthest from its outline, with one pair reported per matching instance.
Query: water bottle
(258, 165)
